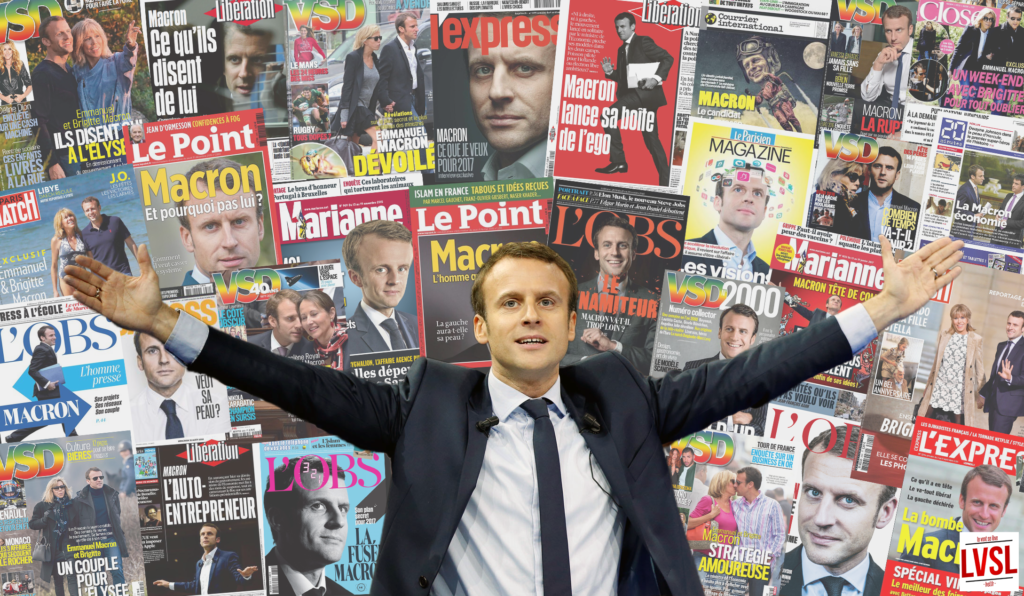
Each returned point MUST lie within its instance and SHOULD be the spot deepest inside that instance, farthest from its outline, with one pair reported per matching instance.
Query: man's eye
(381, 269)
(526, 69)
(210, 226)
(240, 221)
(814, 493)
(234, 60)
(483, 71)
(403, 269)
(547, 302)
(317, 507)
(510, 304)
(848, 501)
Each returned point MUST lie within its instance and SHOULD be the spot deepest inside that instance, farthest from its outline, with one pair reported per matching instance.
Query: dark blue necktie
(173, 429)
(554, 540)
(898, 83)
(394, 334)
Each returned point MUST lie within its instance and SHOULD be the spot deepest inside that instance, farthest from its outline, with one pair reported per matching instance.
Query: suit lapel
(369, 331)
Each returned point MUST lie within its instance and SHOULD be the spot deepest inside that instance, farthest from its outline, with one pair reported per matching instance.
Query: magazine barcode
(550, 166)
(864, 457)
(274, 581)
(545, 3)
(196, 290)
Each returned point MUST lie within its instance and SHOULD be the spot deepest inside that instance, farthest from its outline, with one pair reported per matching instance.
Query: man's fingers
(947, 278)
(90, 301)
(94, 265)
(929, 249)
(940, 255)
(145, 264)
(79, 273)
(887, 257)
(949, 261)
(82, 286)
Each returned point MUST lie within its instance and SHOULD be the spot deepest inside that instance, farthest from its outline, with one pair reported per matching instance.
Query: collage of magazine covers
(325, 181)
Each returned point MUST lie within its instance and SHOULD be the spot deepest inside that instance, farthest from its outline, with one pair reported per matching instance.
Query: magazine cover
(958, 480)
(198, 500)
(840, 525)
(735, 497)
(169, 402)
(619, 242)
(296, 311)
(64, 372)
(742, 183)
(496, 77)
(327, 488)
(616, 101)
(761, 70)
(380, 302)
(74, 77)
(360, 92)
(45, 226)
(976, 186)
(217, 58)
(692, 306)
(78, 495)
(204, 187)
(456, 228)
(865, 187)
(869, 69)
(811, 8)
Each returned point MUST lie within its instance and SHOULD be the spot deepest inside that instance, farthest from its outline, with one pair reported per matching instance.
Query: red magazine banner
(882, 454)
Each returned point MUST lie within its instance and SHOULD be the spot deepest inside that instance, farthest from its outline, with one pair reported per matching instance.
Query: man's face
(756, 68)
(409, 30)
(317, 537)
(245, 58)
(136, 132)
(833, 305)
(1014, 18)
(208, 537)
(624, 29)
(743, 203)
(49, 337)
(984, 506)
(58, 38)
(884, 174)
(744, 488)
(286, 326)
(95, 480)
(161, 369)
(510, 89)
(92, 211)
(1016, 187)
(614, 251)
(897, 32)
(151, 514)
(226, 240)
(1013, 327)
(384, 266)
(528, 325)
(687, 458)
(978, 177)
(838, 515)
(737, 334)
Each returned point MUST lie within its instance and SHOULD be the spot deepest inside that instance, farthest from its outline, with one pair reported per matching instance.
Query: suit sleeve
(348, 88)
(804, 312)
(686, 401)
(360, 412)
(36, 365)
(233, 565)
(385, 68)
(660, 55)
(639, 356)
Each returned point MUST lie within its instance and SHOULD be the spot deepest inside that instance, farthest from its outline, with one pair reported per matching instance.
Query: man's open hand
(130, 302)
(910, 284)
(247, 572)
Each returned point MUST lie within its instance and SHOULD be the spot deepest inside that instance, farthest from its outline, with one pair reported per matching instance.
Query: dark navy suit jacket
(224, 576)
(1008, 397)
(428, 425)
(364, 338)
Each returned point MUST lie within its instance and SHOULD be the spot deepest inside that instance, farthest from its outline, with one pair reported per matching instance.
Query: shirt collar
(721, 356)
(376, 317)
(408, 47)
(727, 242)
(300, 585)
(857, 576)
(209, 556)
(274, 344)
(180, 398)
(505, 399)
(530, 165)
(198, 276)
(873, 200)
(103, 218)
(631, 36)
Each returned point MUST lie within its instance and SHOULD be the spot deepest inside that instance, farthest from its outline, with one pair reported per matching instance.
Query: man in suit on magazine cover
(1012, 232)
(378, 255)
(615, 242)
(634, 93)
(1004, 391)
(43, 357)
(477, 504)
(285, 337)
(308, 526)
(836, 518)
(832, 307)
(968, 198)
(217, 571)
(875, 199)
(401, 85)
(741, 200)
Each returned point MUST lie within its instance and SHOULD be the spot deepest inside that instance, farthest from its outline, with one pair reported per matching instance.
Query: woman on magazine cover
(926, 41)
(305, 45)
(715, 507)
(952, 390)
(65, 245)
(842, 178)
(15, 81)
(52, 516)
(320, 322)
(357, 110)
(104, 79)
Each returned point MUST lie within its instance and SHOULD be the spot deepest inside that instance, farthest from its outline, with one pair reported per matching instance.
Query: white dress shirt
(150, 422)
(496, 549)
(410, 55)
(871, 88)
(740, 260)
(855, 578)
(204, 574)
(376, 317)
(300, 585)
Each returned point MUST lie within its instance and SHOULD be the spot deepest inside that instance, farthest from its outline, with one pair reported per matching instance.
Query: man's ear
(717, 203)
(355, 277)
(186, 239)
(480, 329)
(572, 325)
(886, 513)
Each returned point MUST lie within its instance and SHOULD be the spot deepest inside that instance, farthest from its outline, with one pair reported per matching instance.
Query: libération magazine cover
(198, 179)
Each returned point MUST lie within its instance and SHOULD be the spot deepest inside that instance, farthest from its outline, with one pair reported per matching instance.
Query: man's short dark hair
(41, 332)
(752, 474)
(991, 476)
(89, 472)
(1015, 8)
(720, 185)
(150, 508)
(220, 163)
(690, 449)
(522, 250)
(281, 501)
(615, 222)
(891, 153)
(402, 18)
(744, 311)
(1017, 314)
(627, 16)
(215, 527)
(45, 24)
(386, 230)
(819, 443)
(90, 200)
(897, 11)
(138, 342)
(1019, 178)
(971, 171)
(282, 295)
